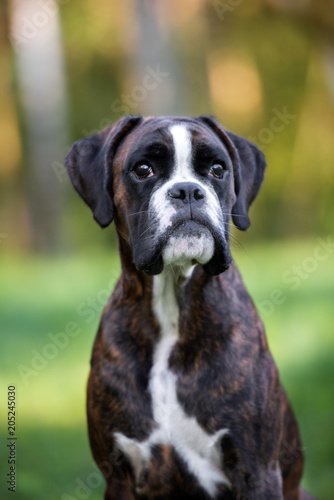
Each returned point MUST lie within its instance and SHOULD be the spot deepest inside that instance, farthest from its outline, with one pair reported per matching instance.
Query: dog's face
(171, 184)
(173, 187)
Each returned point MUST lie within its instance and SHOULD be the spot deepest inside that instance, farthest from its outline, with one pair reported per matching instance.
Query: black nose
(184, 193)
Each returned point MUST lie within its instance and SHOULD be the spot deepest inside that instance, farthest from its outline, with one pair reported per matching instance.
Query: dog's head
(171, 184)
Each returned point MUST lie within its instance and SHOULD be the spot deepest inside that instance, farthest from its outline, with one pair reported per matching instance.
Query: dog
(184, 399)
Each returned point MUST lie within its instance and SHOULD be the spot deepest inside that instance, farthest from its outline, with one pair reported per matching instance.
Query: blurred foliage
(245, 64)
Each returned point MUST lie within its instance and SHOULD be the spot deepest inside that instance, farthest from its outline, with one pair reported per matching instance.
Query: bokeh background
(265, 69)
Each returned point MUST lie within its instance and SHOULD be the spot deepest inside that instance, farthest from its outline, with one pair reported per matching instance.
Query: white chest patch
(199, 450)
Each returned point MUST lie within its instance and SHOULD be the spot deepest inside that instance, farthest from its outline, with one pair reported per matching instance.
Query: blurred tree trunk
(155, 51)
(183, 86)
(320, 15)
(35, 37)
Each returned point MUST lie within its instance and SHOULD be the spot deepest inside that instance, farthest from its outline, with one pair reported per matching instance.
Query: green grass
(41, 296)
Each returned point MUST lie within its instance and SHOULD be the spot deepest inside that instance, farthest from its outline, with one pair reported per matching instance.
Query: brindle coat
(226, 376)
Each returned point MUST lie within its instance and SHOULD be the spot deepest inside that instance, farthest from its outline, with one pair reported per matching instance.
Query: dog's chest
(199, 450)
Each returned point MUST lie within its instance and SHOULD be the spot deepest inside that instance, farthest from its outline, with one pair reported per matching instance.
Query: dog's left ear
(89, 165)
(249, 167)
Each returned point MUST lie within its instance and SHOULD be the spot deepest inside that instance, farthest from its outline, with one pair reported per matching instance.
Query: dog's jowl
(184, 398)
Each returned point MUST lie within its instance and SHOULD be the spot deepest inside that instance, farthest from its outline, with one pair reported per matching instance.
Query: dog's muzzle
(188, 238)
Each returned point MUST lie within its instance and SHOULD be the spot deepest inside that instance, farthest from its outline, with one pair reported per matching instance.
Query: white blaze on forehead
(182, 145)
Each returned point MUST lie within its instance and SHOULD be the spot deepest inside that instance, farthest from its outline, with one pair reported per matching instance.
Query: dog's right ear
(249, 168)
(89, 165)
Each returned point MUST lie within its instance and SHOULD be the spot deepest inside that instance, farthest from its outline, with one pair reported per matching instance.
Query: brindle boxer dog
(184, 398)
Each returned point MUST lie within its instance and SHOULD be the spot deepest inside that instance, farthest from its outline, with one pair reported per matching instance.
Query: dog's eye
(143, 171)
(217, 171)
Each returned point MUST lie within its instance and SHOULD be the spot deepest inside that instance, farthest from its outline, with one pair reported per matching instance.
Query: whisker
(172, 269)
(142, 212)
(236, 215)
(232, 236)
(235, 242)
(149, 228)
(150, 237)
(169, 270)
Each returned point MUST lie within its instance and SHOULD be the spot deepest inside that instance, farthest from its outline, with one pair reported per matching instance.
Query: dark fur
(226, 375)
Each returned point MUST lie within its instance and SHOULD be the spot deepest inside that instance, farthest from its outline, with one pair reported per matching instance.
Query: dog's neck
(182, 305)
(136, 283)
(161, 292)
(173, 300)
(165, 304)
